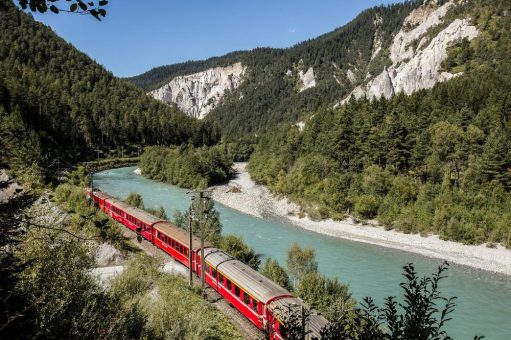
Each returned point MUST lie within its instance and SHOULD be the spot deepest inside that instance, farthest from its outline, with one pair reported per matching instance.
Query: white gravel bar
(243, 194)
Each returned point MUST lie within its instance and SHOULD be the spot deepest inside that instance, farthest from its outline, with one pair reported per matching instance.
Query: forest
(55, 102)
(438, 161)
(186, 166)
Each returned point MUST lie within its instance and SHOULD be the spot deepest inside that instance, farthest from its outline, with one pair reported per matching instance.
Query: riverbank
(242, 194)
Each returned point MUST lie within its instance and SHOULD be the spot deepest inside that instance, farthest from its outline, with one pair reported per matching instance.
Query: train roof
(248, 279)
(281, 309)
(118, 203)
(102, 195)
(142, 215)
(179, 235)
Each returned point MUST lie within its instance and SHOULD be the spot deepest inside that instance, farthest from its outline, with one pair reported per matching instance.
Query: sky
(137, 35)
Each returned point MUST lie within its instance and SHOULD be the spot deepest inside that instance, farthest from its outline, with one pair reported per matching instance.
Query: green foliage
(366, 206)
(135, 200)
(422, 315)
(48, 291)
(300, 262)
(85, 218)
(158, 212)
(187, 166)
(272, 270)
(436, 161)
(65, 301)
(235, 246)
(58, 106)
(327, 296)
(180, 219)
(13, 310)
(171, 309)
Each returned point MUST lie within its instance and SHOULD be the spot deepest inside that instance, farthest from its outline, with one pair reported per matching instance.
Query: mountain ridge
(268, 71)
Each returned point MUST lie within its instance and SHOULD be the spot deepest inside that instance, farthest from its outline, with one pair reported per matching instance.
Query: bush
(187, 166)
(367, 206)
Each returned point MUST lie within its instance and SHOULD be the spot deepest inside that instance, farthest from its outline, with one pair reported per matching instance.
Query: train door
(146, 231)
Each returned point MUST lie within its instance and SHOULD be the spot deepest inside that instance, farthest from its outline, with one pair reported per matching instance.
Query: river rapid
(484, 299)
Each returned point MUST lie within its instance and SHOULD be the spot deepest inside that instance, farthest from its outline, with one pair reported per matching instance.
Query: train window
(229, 285)
(237, 291)
(220, 278)
(214, 273)
(246, 298)
(254, 305)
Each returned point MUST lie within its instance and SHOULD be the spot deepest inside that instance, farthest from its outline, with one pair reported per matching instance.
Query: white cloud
(292, 30)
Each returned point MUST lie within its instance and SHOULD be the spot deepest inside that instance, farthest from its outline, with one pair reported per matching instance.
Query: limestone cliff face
(416, 57)
(196, 94)
(308, 80)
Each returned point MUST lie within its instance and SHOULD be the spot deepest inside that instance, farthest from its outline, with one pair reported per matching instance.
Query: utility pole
(203, 266)
(201, 199)
(303, 323)
(190, 250)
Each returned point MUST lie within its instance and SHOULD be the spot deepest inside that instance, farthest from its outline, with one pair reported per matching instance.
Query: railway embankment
(243, 194)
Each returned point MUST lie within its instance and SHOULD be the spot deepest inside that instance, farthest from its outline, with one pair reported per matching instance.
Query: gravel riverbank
(244, 195)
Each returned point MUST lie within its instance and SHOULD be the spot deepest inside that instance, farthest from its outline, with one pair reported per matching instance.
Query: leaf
(102, 12)
(73, 7)
(42, 7)
(103, 3)
(82, 5)
(95, 14)
(54, 9)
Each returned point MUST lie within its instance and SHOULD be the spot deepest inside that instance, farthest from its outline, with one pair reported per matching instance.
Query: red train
(259, 299)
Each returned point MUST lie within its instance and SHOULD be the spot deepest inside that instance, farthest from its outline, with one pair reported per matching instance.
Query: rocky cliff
(196, 94)
(416, 55)
(386, 50)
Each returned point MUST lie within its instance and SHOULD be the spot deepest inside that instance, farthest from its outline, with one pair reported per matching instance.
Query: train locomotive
(266, 304)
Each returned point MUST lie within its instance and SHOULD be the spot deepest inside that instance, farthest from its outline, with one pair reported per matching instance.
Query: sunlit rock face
(197, 94)
(417, 57)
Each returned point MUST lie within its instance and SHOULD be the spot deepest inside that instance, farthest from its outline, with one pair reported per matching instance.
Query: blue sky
(137, 35)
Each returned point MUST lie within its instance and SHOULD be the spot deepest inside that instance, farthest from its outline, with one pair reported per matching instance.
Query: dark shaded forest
(55, 102)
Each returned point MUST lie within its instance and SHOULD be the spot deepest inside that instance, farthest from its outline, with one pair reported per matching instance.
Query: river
(484, 299)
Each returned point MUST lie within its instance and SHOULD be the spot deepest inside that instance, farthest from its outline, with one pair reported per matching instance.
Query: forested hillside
(270, 94)
(57, 102)
(436, 161)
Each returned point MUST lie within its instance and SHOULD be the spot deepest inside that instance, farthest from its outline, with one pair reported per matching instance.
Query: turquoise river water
(484, 299)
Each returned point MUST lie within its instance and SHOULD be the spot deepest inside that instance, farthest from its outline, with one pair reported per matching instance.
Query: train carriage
(141, 221)
(266, 304)
(176, 242)
(246, 289)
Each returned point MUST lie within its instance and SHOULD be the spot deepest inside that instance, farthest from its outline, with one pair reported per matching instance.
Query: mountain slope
(280, 85)
(57, 102)
(435, 161)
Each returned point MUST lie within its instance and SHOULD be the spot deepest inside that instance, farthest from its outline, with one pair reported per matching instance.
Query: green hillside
(436, 161)
(57, 102)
